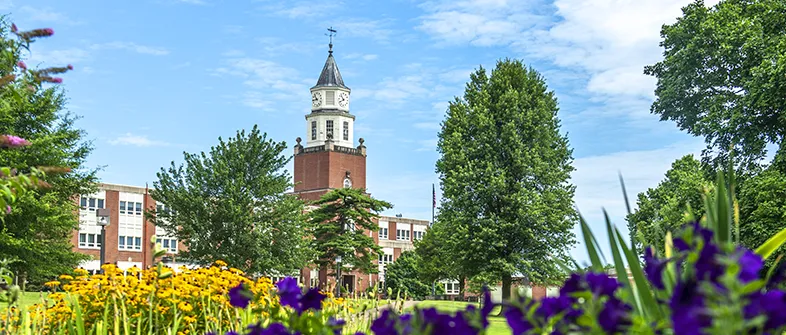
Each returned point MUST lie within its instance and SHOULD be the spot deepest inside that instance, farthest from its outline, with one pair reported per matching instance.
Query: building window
(402, 234)
(385, 259)
(91, 203)
(87, 240)
(313, 130)
(383, 233)
(330, 97)
(314, 282)
(346, 131)
(131, 208)
(164, 209)
(169, 244)
(129, 243)
(451, 288)
(329, 129)
(417, 235)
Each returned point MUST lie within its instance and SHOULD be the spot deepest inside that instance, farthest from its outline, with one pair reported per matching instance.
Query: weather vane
(331, 33)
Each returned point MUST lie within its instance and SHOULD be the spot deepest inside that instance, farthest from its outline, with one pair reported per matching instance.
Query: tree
(763, 205)
(440, 254)
(37, 232)
(664, 208)
(229, 204)
(340, 227)
(723, 76)
(505, 174)
(402, 276)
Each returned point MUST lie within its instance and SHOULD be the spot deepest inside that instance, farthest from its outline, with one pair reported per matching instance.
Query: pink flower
(11, 141)
(70, 67)
(13, 28)
(7, 209)
(57, 80)
(22, 65)
(49, 31)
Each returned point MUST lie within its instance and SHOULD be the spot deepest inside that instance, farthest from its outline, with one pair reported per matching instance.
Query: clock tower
(329, 159)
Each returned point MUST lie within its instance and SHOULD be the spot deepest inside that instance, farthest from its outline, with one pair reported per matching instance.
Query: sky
(155, 78)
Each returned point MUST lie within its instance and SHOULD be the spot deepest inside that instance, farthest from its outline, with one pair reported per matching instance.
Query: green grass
(497, 324)
(27, 299)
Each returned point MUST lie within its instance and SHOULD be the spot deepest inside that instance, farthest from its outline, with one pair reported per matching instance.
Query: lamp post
(102, 219)
(338, 276)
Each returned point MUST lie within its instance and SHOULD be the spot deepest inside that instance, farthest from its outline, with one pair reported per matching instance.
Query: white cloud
(306, 9)
(267, 82)
(377, 30)
(609, 41)
(45, 14)
(136, 140)
(181, 65)
(131, 46)
(273, 46)
(57, 57)
(427, 145)
(191, 2)
(366, 57)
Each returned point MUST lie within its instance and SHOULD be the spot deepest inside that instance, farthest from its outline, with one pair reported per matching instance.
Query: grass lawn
(27, 299)
(497, 324)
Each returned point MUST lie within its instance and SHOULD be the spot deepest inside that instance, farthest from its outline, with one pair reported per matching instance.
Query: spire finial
(331, 33)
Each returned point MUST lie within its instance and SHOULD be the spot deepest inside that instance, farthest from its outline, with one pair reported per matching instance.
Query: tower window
(346, 131)
(330, 97)
(329, 129)
(313, 130)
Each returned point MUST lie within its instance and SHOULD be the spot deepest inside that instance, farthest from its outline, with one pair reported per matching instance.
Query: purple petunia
(770, 304)
(688, 313)
(311, 300)
(517, 321)
(289, 292)
(653, 268)
(385, 324)
(240, 296)
(601, 284)
(272, 329)
(336, 324)
(750, 265)
(615, 316)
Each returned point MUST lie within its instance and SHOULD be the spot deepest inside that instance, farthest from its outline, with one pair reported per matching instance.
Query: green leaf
(592, 245)
(650, 306)
(723, 222)
(619, 264)
(775, 242)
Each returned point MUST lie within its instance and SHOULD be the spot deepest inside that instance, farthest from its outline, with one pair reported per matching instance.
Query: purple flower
(336, 324)
(517, 322)
(615, 316)
(21, 65)
(653, 267)
(553, 306)
(601, 284)
(289, 292)
(311, 300)
(384, 324)
(240, 296)
(488, 305)
(750, 265)
(707, 266)
(231, 332)
(70, 67)
(770, 304)
(688, 313)
(57, 80)
(7, 209)
(13, 28)
(572, 285)
(272, 329)
(11, 141)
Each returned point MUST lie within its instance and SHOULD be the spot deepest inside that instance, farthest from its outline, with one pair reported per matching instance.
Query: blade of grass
(775, 242)
(592, 245)
(619, 264)
(724, 213)
(650, 306)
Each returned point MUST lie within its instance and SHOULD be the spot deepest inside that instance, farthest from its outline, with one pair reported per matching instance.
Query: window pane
(139, 207)
(83, 202)
(158, 241)
(138, 242)
(98, 240)
(100, 203)
(91, 238)
(122, 207)
(82, 238)
(166, 243)
(92, 202)
(122, 241)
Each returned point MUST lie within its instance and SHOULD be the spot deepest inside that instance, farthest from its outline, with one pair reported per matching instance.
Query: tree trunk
(506, 283)
(22, 281)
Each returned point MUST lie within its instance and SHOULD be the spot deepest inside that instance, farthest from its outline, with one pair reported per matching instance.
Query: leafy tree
(340, 227)
(664, 208)
(440, 254)
(723, 76)
(36, 234)
(229, 204)
(402, 276)
(763, 205)
(505, 173)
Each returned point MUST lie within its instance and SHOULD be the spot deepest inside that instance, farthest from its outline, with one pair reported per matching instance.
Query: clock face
(316, 99)
(343, 99)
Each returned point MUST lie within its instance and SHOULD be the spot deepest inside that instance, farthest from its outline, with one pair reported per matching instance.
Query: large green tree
(402, 276)
(505, 175)
(340, 226)
(441, 254)
(664, 208)
(37, 232)
(230, 204)
(723, 76)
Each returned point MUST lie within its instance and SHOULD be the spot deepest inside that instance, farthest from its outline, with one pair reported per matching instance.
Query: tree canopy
(402, 277)
(505, 175)
(723, 76)
(37, 231)
(230, 204)
(340, 227)
(664, 208)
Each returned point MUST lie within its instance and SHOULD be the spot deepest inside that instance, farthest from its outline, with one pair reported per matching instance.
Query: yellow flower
(66, 277)
(52, 283)
(221, 263)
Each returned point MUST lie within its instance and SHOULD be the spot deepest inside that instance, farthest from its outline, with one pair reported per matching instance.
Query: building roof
(330, 75)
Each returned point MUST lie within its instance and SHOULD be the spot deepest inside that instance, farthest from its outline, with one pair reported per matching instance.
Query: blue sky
(154, 78)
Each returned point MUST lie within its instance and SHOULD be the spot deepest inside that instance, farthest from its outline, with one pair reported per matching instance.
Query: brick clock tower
(329, 159)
